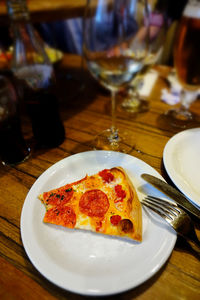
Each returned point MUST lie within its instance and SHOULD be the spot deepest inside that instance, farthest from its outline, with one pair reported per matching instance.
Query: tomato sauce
(61, 215)
(59, 197)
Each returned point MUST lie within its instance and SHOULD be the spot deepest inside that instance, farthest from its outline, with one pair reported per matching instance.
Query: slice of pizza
(105, 202)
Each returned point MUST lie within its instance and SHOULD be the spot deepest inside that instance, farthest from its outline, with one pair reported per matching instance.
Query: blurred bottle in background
(32, 69)
(5, 42)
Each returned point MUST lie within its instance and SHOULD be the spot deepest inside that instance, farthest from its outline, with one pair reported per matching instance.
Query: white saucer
(89, 263)
(181, 158)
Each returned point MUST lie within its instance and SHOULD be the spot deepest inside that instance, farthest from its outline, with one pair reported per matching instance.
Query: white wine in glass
(187, 63)
(115, 47)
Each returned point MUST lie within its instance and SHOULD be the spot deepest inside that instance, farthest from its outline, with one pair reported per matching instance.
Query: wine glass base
(179, 118)
(135, 105)
(103, 141)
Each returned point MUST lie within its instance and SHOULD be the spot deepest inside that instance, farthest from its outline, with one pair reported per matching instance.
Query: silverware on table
(172, 193)
(176, 217)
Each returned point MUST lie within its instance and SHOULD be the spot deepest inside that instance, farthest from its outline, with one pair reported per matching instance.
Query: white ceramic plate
(89, 263)
(181, 158)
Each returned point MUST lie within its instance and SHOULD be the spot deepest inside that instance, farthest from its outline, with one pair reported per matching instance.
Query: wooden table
(49, 10)
(86, 113)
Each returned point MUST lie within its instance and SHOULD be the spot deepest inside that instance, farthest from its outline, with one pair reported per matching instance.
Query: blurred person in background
(66, 35)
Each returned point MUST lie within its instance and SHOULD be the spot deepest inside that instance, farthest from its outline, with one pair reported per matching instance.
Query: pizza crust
(135, 206)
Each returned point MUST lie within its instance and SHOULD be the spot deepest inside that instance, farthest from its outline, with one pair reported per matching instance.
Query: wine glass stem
(183, 108)
(113, 114)
(186, 99)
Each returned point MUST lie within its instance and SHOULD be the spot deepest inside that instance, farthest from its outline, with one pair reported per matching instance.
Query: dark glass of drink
(13, 147)
(41, 104)
(42, 108)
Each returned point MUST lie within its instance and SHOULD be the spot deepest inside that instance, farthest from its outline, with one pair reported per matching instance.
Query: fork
(176, 217)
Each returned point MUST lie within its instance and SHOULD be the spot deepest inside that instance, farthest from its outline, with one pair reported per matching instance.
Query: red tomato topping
(121, 194)
(106, 175)
(94, 203)
(115, 219)
(99, 225)
(61, 215)
(59, 197)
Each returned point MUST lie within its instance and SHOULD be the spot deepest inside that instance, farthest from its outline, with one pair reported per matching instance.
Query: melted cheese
(119, 208)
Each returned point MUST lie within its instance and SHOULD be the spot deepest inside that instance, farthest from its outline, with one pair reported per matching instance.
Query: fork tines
(162, 207)
(175, 216)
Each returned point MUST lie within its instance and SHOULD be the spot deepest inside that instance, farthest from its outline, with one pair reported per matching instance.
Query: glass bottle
(32, 68)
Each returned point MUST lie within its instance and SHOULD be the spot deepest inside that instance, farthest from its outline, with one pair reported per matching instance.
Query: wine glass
(115, 47)
(158, 25)
(187, 64)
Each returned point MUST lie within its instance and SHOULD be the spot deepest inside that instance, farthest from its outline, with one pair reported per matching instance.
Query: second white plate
(89, 263)
(181, 158)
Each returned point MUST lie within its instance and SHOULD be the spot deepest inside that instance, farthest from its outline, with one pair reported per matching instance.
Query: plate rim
(78, 291)
(167, 152)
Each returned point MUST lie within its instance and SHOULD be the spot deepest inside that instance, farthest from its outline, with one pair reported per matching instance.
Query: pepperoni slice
(61, 215)
(106, 175)
(94, 203)
(59, 197)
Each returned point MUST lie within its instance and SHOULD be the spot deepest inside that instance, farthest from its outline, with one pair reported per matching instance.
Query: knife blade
(172, 193)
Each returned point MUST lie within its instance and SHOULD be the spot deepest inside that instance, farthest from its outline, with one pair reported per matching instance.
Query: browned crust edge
(136, 211)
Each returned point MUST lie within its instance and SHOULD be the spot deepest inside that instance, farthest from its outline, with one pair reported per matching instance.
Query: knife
(172, 193)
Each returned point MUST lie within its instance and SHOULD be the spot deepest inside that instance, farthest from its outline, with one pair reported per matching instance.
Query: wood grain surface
(48, 10)
(85, 112)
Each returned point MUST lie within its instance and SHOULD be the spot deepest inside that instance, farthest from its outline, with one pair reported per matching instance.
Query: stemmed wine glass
(158, 26)
(187, 64)
(115, 46)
